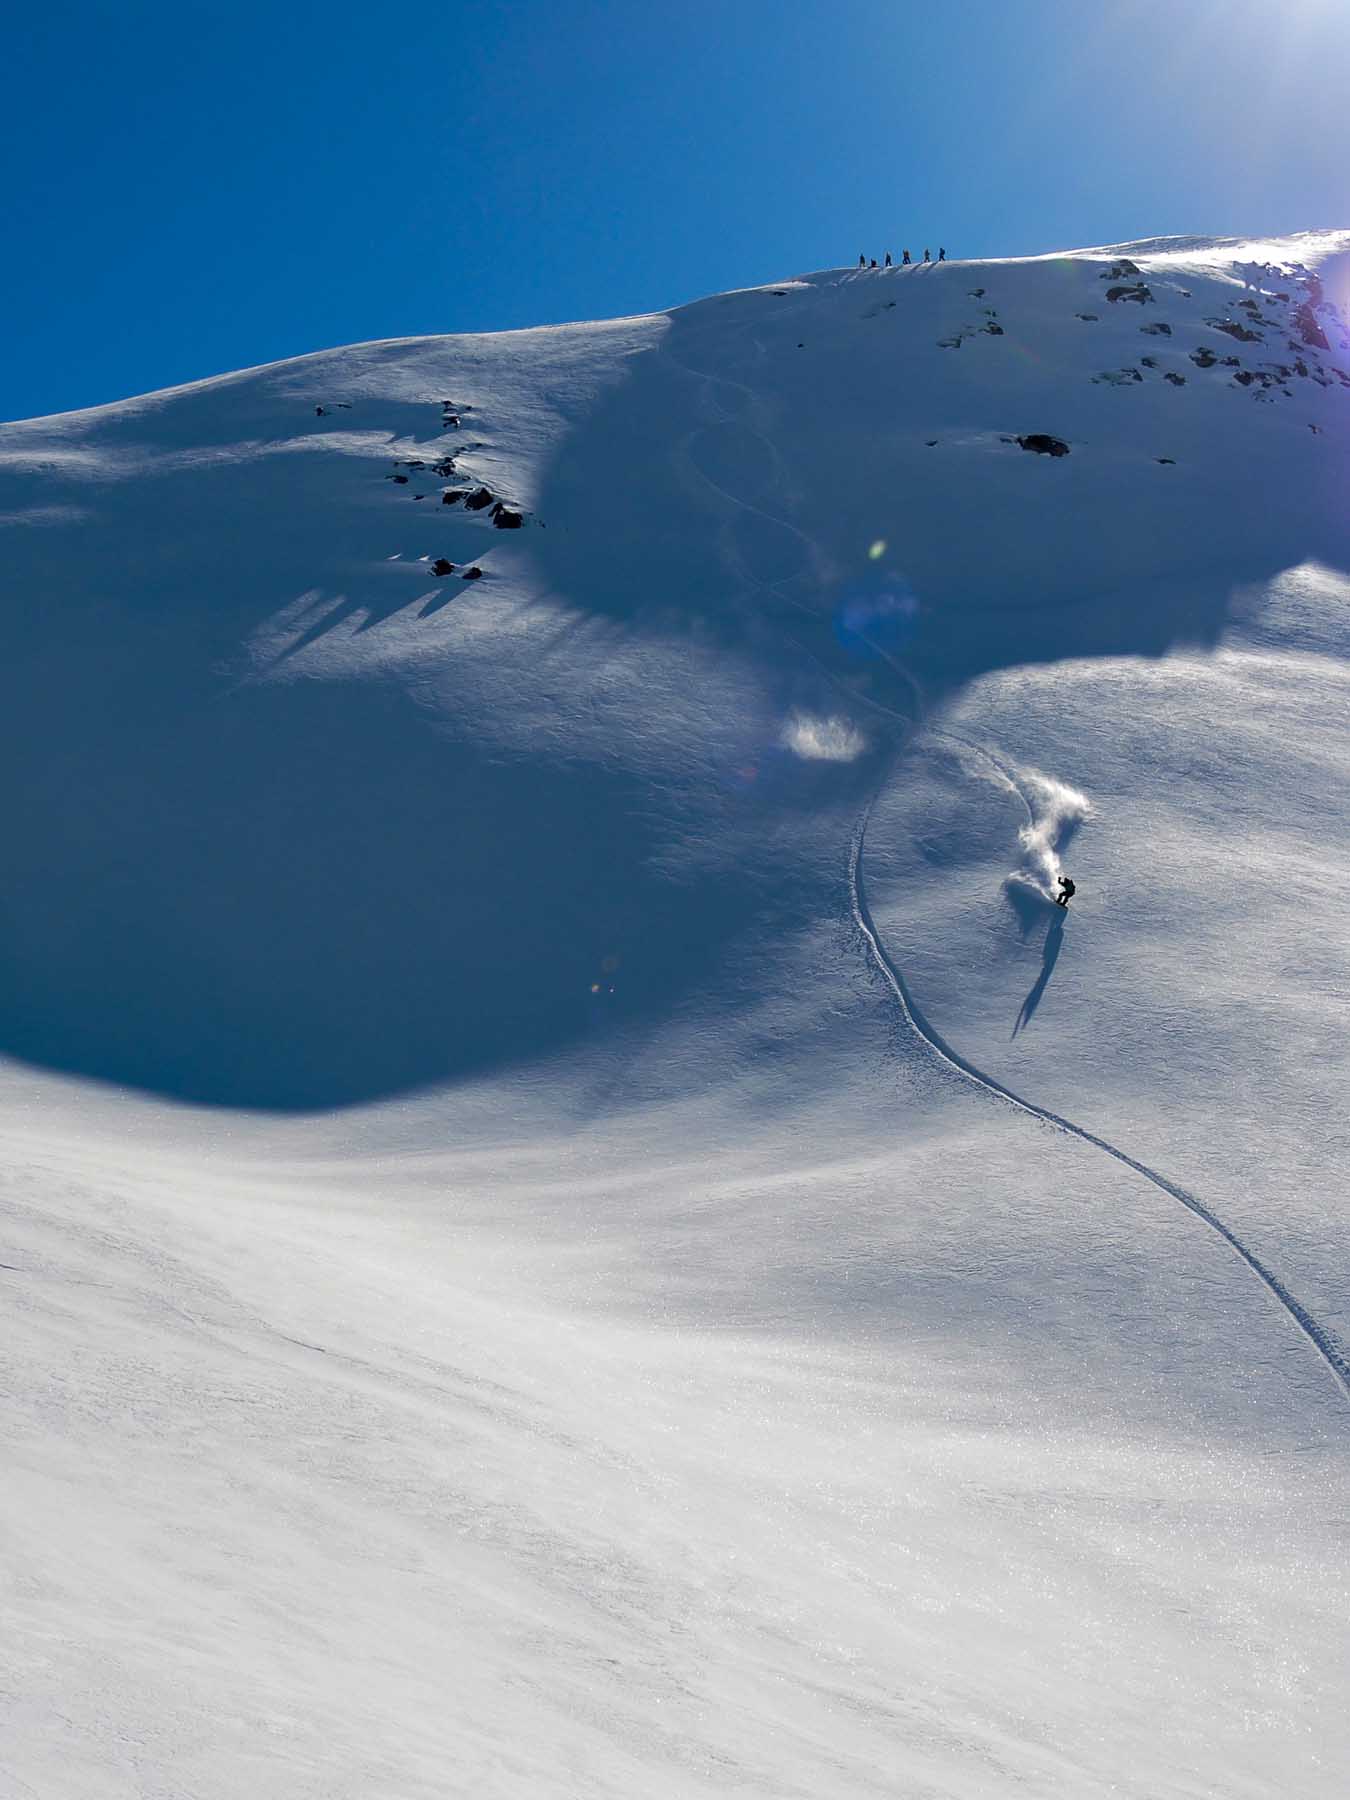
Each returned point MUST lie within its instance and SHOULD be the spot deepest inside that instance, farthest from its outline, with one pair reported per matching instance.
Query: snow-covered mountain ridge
(577, 1222)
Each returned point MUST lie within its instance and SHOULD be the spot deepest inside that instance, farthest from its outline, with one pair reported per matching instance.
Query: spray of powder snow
(1057, 811)
(822, 740)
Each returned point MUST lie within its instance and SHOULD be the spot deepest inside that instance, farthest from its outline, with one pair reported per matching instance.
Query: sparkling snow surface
(574, 1222)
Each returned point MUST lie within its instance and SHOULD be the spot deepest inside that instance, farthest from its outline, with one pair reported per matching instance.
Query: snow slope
(575, 1222)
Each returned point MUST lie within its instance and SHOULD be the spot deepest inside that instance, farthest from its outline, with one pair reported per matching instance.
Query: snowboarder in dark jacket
(942, 254)
(926, 256)
(862, 262)
(888, 259)
(1069, 890)
(904, 256)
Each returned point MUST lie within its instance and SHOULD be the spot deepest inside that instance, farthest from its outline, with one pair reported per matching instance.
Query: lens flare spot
(877, 550)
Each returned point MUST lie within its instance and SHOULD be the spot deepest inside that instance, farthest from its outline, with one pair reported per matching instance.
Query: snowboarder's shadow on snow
(1054, 943)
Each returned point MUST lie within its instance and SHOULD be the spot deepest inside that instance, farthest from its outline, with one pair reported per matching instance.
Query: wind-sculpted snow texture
(574, 1221)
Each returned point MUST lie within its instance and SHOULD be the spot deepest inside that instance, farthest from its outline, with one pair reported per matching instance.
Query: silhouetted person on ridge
(888, 259)
(1063, 899)
(942, 254)
(904, 256)
(874, 262)
(862, 262)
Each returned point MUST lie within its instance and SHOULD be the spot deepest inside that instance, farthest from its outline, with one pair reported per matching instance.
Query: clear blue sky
(199, 187)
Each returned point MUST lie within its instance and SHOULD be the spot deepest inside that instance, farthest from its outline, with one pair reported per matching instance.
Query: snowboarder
(1069, 890)
(888, 259)
(926, 256)
(862, 261)
(904, 256)
(873, 262)
(942, 254)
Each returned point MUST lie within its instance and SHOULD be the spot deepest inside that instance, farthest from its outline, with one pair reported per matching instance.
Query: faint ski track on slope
(1316, 1334)
(749, 419)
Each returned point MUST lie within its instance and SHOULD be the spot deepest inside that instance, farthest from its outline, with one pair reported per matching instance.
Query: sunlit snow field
(527, 1273)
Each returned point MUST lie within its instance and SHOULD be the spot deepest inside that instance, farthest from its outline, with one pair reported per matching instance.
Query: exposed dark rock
(1159, 328)
(445, 469)
(779, 293)
(402, 480)
(931, 443)
(1316, 430)
(478, 499)
(1089, 318)
(1309, 329)
(452, 496)
(473, 574)
(977, 293)
(1118, 377)
(1166, 459)
(506, 518)
(1204, 357)
(319, 412)
(1231, 328)
(1123, 267)
(1043, 444)
(993, 330)
(1136, 291)
(1176, 380)
(1231, 362)
(951, 343)
(442, 567)
(1149, 362)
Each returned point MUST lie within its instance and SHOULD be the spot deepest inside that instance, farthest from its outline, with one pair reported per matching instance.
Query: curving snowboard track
(1316, 1334)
